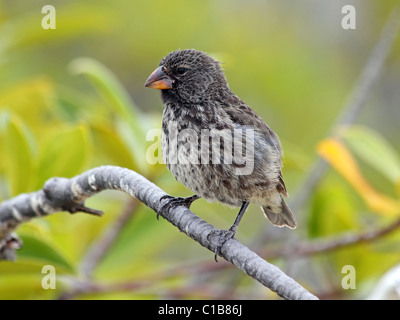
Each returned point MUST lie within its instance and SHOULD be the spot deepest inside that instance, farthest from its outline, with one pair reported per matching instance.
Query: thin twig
(326, 245)
(353, 106)
(99, 248)
(89, 287)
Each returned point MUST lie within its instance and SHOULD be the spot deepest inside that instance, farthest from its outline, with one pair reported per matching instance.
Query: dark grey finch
(197, 100)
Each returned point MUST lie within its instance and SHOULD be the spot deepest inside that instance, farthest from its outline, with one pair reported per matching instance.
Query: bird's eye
(181, 70)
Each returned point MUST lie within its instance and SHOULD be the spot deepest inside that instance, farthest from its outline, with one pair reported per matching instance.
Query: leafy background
(73, 98)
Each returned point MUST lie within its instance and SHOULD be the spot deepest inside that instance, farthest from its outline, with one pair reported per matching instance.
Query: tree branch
(308, 248)
(61, 194)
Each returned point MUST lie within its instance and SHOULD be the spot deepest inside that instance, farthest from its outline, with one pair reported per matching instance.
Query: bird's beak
(159, 80)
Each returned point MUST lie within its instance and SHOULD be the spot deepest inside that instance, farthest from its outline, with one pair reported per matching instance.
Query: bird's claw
(223, 237)
(175, 202)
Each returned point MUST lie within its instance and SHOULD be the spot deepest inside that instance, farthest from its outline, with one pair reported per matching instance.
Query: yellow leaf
(335, 153)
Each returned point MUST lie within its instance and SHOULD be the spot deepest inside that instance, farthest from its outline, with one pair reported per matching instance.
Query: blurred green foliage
(73, 98)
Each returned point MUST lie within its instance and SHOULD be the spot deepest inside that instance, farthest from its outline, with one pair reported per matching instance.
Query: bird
(200, 107)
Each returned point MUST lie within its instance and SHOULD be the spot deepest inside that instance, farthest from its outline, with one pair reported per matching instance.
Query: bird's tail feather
(282, 219)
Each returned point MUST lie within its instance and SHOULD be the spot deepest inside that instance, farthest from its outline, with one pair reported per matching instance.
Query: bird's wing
(240, 113)
(281, 185)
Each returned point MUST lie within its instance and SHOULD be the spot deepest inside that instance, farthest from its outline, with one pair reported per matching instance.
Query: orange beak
(159, 80)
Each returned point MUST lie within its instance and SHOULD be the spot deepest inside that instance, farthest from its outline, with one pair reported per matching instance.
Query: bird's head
(187, 75)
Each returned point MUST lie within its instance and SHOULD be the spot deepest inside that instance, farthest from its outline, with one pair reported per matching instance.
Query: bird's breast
(202, 154)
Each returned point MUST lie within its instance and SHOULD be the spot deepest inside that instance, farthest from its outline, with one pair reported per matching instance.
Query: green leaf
(136, 248)
(24, 286)
(16, 152)
(42, 252)
(333, 209)
(23, 279)
(109, 147)
(109, 87)
(33, 101)
(64, 153)
(375, 150)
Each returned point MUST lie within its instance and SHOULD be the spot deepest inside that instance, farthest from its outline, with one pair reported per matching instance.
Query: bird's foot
(175, 202)
(223, 236)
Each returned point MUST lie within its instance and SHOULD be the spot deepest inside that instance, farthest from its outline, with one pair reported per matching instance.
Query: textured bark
(61, 194)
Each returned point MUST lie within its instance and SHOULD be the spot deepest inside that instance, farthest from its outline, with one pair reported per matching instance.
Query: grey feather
(285, 218)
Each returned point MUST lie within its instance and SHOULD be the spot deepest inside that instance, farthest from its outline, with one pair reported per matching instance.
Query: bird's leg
(176, 201)
(225, 235)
